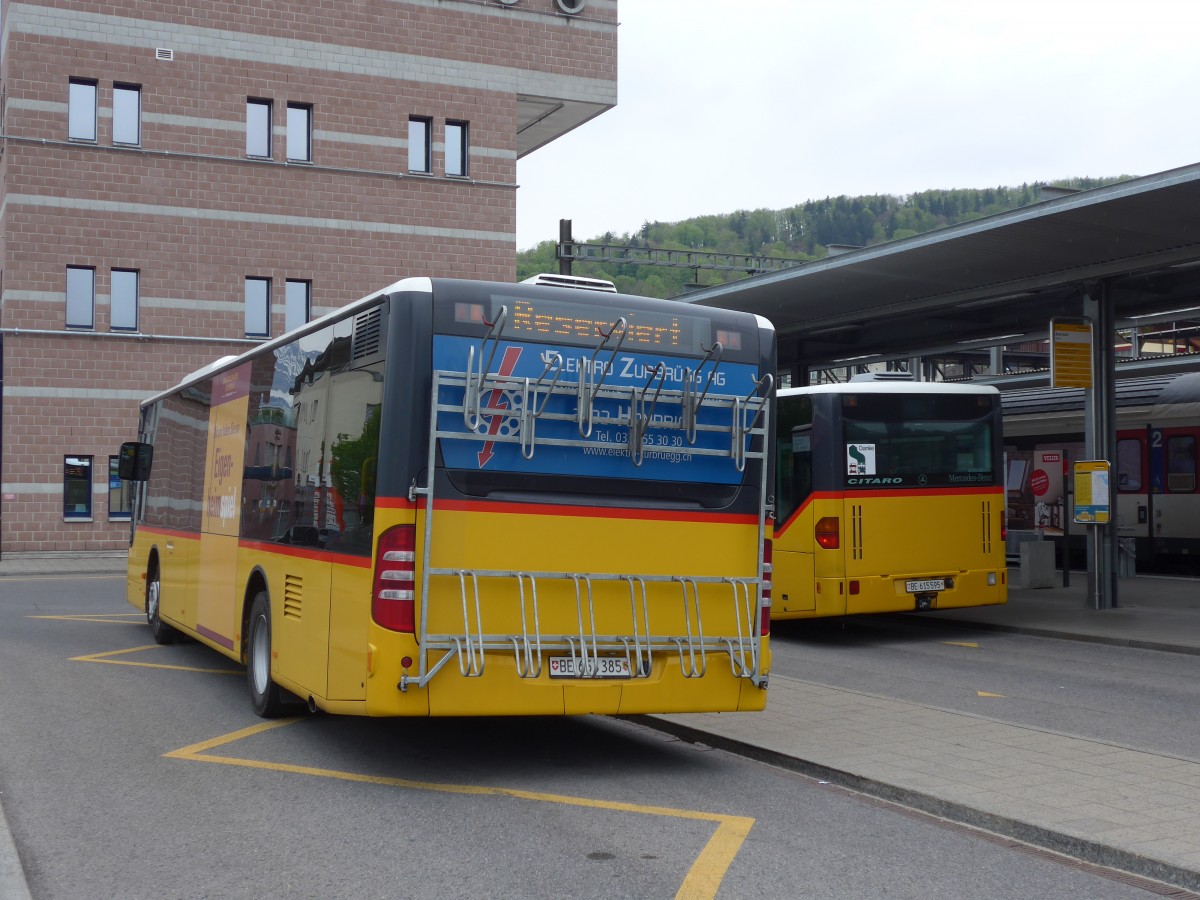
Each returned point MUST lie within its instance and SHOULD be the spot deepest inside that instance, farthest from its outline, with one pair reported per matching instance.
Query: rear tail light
(828, 533)
(1004, 527)
(392, 599)
(768, 569)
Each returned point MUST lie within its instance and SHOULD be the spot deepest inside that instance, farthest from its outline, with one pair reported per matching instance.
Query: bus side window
(352, 436)
(794, 471)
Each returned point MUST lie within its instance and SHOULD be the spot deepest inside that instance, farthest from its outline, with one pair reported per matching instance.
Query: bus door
(221, 516)
(793, 572)
(348, 520)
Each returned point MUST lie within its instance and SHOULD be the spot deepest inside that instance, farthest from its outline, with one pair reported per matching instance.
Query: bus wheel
(264, 693)
(162, 632)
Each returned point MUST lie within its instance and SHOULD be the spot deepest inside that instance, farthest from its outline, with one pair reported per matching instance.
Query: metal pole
(1100, 442)
(564, 243)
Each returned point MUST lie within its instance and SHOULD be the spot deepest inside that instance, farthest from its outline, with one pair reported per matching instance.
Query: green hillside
(802, 232)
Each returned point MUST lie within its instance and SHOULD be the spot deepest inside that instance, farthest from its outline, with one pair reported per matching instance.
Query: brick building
(181, 180)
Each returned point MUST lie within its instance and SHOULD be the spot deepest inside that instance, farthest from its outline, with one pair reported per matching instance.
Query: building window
(123, 300)
(81, 111)
(258, 128)
(419, 143)
(120, 493)
(456, 148)
(299, 132)
(77, 487)
(81, 297)
(258, 307)
(127, 114)
(297, 306)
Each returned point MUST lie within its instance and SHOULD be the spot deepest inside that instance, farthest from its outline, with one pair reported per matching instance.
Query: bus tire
(265, 694)
(160, 630)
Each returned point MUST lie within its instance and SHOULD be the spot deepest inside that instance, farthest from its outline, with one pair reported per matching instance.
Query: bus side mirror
(134, 462)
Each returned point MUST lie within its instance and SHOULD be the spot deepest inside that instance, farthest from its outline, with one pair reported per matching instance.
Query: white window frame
(258, 133)
(299, 132)
(127, 105)
(457, 148)
(258, 306)
(81, 109)
(120, 492)
(420, 145)
(297, 303)
(121, 301)
(75, 514)
(81, 297)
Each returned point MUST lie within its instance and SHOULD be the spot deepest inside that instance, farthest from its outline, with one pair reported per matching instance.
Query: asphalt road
(1141, 699)
(131, 770)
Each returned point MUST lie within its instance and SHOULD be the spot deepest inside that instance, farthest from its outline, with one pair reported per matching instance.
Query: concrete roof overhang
(996, 280)
(541, 120)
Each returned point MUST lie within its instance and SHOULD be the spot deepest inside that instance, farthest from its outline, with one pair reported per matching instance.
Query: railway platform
(1118, 806)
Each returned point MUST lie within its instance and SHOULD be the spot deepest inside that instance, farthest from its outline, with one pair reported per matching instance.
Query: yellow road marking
(986, 694)
(120, 618)
(962, 644)
(703, 878)
(104, 658)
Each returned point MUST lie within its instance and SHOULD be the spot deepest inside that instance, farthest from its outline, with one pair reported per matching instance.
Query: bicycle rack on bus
(476, 394)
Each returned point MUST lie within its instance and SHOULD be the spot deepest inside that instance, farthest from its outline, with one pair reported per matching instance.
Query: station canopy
(993, 281)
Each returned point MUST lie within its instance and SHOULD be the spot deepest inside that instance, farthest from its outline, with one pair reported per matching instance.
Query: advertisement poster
(1035, 490)
(226, 451)
(222, 503)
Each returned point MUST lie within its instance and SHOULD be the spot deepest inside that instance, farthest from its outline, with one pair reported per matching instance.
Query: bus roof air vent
(573, 281)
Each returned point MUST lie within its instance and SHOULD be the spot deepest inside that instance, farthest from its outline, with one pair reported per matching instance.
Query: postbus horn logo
(500, 399)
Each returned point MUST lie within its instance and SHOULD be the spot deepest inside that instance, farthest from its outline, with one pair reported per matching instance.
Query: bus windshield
(918, 440)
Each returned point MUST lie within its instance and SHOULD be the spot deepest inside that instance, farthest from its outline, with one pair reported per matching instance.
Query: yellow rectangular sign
(1070, 353)
(1092, 504)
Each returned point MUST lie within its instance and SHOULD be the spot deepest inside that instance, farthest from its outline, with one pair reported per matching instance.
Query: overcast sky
(743, 104)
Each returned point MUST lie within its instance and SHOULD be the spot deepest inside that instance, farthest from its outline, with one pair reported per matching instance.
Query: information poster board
(1092, 492)
(1070, 353)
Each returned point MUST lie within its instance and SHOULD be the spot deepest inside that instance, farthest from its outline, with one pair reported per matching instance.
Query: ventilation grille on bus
(367, 343)
(856, 531)
(293, 596)
(573, 281)
(986, 512)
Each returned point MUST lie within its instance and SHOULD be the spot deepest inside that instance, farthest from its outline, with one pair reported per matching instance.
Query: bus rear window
(918, 440)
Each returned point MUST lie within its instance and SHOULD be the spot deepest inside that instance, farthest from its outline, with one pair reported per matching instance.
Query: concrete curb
(12, 877)
(1044, 838)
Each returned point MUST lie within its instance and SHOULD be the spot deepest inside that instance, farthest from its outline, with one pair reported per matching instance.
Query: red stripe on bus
(780, 530)
(593, 512)
(394, 503)
(342, 559)
(225, 642)
(170, 532)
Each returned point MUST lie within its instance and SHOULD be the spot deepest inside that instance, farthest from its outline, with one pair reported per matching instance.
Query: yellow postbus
(470, 498)
(890, 497)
